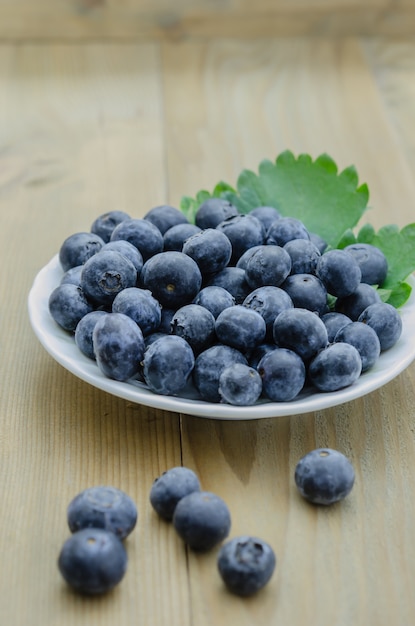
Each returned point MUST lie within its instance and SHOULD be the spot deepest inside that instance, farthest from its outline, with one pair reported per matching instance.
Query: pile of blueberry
(243, 307)
(94, 560)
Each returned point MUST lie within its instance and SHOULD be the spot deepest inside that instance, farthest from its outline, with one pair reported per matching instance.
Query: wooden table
(91, 127)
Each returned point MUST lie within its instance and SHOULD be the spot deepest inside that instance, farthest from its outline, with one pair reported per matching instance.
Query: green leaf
(399, 295)
(347, 239)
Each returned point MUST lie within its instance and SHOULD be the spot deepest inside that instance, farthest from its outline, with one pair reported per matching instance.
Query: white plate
(61, 346)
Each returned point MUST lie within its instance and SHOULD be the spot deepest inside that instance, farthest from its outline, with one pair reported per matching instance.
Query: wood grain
(87, 128)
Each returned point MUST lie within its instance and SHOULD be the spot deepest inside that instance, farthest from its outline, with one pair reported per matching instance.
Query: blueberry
(165, 217)
(170, 487)
(246, 564)
(333, 322)
(173, 278)
(307, 292)
(142, 234)
(210, 248)
(128, 250)
(213, 211)
(268, 301)
(337, 366)
(233, 280)
(240, 327)
(72, 276)
(243, 260)
(319, 242)
(202, 519)
(208, 367)
(105, 223)
(93, 561)
(84, 331)
(214, 299)
(140, 305)
(103, 507)
(285, 229)
(385, 321)
(240, 385)
(106, 274)
(268, 265)
(167, 365)
(324, 476)
(174, 238)
(340, 272)
(372, 262)
(165, 320)
(118, 345)
(196, 325)
(78, 248)
(283, 374)
(300, 330)
(257, 353)
(354, 305)
(364, 339)
(68, 305)
(266, 215)
(304, 255)
(244, 232)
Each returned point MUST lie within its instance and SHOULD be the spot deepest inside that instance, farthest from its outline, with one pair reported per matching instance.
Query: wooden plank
(81, 133)
(228, 105)
(90, 19)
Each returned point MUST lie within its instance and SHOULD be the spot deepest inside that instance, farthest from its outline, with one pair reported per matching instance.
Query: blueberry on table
(78, 248)
(385, 321)
(165, 217)
(106, 274)
(324, 476)
(170, 487)
(173, 278)
(339, 272)
(105, 223)
(364, 339)
(246, 564)
(67, 305)
(338, 366)
(167, 365)
(283, 374)
(84, 332)
(208, 367)
(240, 385)
(93, 561)
(140, 233)
(213, 211)
(103, 507)
(118, 345)
(202, 519)
(140, 305)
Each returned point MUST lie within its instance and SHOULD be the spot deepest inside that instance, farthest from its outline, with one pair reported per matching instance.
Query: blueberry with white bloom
(170, 487)
(141, 306)
(232, 279)
(385, 321)
(371, 260)
(84, 332)
(210, 248)
(128, 250)
(174, 237)
(304, 255)
(240, 327)
(337, 366)
(356, 303)
(167, 365)
(104, 224)
(340, 272)
(140, 233)
(118, 345)
(364, 339)
(208, 367)
(285, 229)
(246, 564)
(105, 275)
(202, 520)
(324, 476)
(334, 321)
(196, 325)
(78, 248)
(213, 211)
(214, 299)
(173, 278)
(240, 385)
(269, 265)
(307, 292)
(300, 330)
(266, 215)
(165, 217)
(243, 231)
(268, 301)
(67, 305)
(283, 374)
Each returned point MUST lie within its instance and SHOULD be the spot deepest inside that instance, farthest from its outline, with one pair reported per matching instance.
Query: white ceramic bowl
(61, 346)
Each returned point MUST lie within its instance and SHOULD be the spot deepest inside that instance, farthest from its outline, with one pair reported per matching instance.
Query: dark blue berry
(333, 322)
(105, 223)
(233, 280)
(196, 325)
(140, 233)
(208, 367)
(246, 564)
(72, 276)
(214, 299)
(304, 255)
(167, 365)
(372, 262)
(268, 265)
(170, 487)
(240, 385)
(78, 248)
(356, 303)
(210, 248)
(140, 305)
(103, 507)
(165, 217)
(240, 327)
(174, 238)
(128, 250)
(244, 232)
(324, 476)
(118, 345)
(213, 211)
(68, 305)
(307, 292)
(300, 330)
(340, 272)
(173, 278)
(93, 561)
(202, 519)
(337, 366)
(266, 215)
(385, 321)
(364, 339)
(84, 332)
(105, 275)
(268, 301)
(285, 229)
(283, 374)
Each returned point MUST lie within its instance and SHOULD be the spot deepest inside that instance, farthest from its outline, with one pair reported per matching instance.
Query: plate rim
(52, 337)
